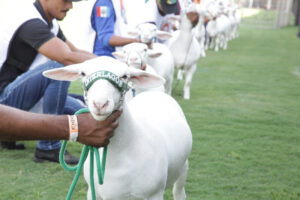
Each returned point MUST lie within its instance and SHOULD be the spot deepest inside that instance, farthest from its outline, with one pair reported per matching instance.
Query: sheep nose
(133, 59)
(100, 106)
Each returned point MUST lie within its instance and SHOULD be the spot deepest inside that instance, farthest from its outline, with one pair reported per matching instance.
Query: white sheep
(158, 58)
(151, 145)
(213, 33)
(135, 55)
(224, 28)
(185, 49)
(200, 31)
(148, 33)
(220, 26)
(236, 18)
(164, 64)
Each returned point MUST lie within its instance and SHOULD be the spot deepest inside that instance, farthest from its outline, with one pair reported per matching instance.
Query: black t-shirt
(24, 45)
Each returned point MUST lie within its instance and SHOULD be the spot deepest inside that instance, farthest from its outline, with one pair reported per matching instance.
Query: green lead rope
(78, 168)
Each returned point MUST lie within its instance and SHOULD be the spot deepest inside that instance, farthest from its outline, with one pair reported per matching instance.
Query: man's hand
(96, 133)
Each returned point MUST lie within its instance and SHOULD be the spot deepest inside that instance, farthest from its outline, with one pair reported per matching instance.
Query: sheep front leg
(202, 45)
(168, 85)
(217, 43)
(86, 173)
(206, 43)
(212, 42)
(89, 195)
(180, 74)
(188, 81)
(158, 196)
(225, 42)
(178, 188)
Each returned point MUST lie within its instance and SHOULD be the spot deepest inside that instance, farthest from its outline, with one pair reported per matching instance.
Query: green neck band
(102, 74)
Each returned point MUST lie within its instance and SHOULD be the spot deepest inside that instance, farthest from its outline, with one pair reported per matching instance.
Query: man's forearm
(84, 52)
(75, 57)
(64, 52)
(20, 125)
(121, 41)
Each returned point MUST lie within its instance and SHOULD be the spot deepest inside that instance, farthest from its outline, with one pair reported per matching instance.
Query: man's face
(57, 9)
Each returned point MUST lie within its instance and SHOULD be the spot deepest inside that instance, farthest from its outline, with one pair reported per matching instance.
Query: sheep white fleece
(164, 64)
(159, 58)
(150, 148)
(186, 51)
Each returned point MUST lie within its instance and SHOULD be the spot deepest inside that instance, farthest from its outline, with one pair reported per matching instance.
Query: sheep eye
(125, 76)
(83, 74)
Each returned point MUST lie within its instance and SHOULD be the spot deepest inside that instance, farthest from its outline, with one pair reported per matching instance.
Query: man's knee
(51, 65)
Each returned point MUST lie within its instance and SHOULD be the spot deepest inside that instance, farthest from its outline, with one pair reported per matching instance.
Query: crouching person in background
(30, 43)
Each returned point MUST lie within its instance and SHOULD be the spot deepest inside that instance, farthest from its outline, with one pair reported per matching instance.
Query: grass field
(244, 113)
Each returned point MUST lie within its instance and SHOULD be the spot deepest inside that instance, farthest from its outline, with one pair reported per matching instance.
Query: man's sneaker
(53, 156)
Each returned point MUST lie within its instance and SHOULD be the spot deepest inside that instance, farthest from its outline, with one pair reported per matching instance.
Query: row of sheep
(218, 23)
(224, 25)
(150, 148)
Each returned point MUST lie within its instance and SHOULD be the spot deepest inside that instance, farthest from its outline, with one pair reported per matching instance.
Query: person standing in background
(109, 22)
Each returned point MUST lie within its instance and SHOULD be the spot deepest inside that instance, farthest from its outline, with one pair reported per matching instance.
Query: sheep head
(105, 82)
(136, 54)
(148, 33)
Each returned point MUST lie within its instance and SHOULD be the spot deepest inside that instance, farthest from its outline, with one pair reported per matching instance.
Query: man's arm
(64, 52)
(37, 34)
(75, 49)
(105, 26)
(16, 124)
(121, 41)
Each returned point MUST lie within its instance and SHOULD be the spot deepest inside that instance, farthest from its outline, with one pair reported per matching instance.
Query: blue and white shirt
(103, 22)
(108, 19)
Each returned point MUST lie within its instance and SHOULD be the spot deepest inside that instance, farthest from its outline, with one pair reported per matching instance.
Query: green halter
(102, 74)
(119, 83)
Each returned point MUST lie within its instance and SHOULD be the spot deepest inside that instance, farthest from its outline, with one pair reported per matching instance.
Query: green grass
(244, 113)
(247, 113)
(261, 18)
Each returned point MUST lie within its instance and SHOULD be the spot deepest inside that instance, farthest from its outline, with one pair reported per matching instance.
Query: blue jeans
(73, 104)
(31, 86)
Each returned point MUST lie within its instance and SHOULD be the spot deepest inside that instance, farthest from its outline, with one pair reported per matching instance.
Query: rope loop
(78, 168)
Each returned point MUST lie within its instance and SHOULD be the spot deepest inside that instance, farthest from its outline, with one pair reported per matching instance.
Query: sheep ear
(68, 73)
(119, 55)
(163, 35)
(153, 53)
(144, 80)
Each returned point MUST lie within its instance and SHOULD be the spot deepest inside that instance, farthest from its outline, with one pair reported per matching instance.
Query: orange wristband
(73, 128)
